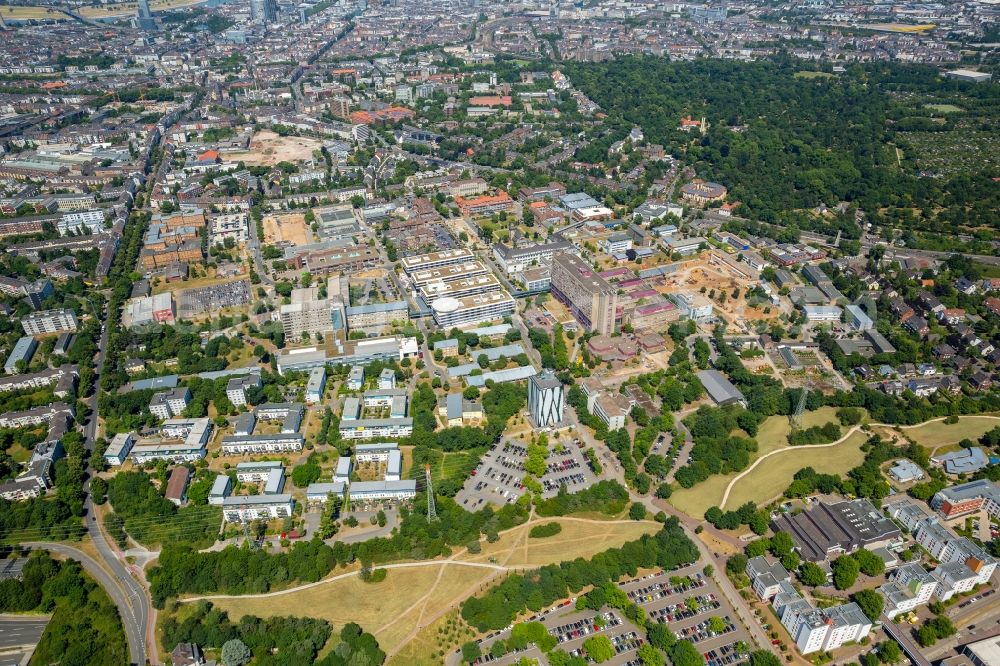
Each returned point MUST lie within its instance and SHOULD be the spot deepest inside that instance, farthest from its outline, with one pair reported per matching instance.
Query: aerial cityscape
(531, 333)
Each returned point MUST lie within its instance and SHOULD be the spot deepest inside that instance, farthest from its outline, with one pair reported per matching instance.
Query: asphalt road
(136, 611)
(135, 626)
(20, 631)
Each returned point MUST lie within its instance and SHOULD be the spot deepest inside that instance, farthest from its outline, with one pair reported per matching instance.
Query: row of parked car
(701, 631)
(680, 611)
(727, 655)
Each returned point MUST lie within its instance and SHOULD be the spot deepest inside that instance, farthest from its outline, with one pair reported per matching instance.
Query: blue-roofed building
(501, 376)
(965, 461)
(462, 370)
(905, 471)
(493, 353)
(23, 350)
(158, 383)
(857, 318)
(447, 347)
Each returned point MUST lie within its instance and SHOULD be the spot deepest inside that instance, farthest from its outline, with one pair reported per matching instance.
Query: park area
(267, 148)
(413, 600)
(936, 436)
(771, 477)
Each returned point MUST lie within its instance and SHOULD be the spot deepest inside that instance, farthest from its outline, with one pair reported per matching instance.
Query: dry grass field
(268, 148)
(406, 610)
(286, 228)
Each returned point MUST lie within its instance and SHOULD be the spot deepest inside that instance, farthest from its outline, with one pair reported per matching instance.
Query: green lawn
(772, 477)
(944, 108)
(771, 436)
(939, 433)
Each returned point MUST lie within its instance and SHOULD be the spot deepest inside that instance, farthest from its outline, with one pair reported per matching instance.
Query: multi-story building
(815, 629)
(387, 379)
(89, 220)
(376, 315)
(20, 355)
(589, 297)
(236, 388)
(766, 576)
(967, 498)
(64, 378)
(484, 205)
(515, 260)
(320, 493)
(451, 312)
(309, 314)
(275, 443)
(422, 262)
(119, 448)
(256, 471)
(352, 426)
(263, 11)
(933, 536)
(377, 491)
(911, 586)
(230, 225)
(610, 410)
(953, 578)
(194, 433)
(545, 399)
(315, 385)
(169, 404)
(49, 321)
(241, 508)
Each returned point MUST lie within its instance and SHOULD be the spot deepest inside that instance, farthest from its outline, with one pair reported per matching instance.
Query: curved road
(134, 628)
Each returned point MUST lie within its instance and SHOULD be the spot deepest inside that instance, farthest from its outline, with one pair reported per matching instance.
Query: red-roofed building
(484, 205)
(209, 156)
(491, 100)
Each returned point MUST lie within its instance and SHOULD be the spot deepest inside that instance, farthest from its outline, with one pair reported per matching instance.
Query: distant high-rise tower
(263, 11)
(143, 17)
(545, 399)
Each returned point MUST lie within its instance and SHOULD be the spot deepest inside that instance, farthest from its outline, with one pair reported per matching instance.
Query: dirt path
(729, 487)
(428, 563)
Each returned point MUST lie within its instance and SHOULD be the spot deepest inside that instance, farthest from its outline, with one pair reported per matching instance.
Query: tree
(869, 563)
(650, 656)
(889, 652)
(471, 651)
(305, 474)
(684, 653)
(660, 636)
(764, 658)
(637, 511)
(99, 490)
(235, 653)
(736, 564)
(845, 571)
(870, 602)
(599, 648)
(811, 574)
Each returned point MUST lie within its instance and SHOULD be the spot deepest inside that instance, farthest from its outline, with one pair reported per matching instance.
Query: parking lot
(685, 600)
(192, 302)
(499, 477)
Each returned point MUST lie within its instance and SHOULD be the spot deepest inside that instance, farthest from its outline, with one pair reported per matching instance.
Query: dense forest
(85, 629)
(783, 144)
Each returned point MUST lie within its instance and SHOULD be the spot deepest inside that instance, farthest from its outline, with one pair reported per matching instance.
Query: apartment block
(590, 298)
(49, 321)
